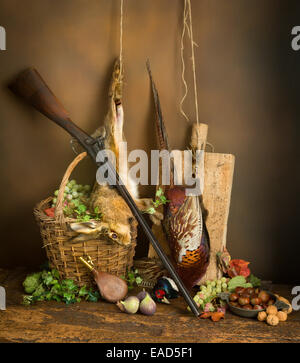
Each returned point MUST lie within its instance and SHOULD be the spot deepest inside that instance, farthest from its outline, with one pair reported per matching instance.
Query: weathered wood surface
(103, 322)
(217, 178)
(216, 199)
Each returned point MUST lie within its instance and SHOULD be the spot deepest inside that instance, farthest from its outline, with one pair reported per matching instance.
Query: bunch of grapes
(209, 291)
(74, 195)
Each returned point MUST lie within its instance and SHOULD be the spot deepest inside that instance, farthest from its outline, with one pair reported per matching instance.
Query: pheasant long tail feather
(160, 126)
(159, 122)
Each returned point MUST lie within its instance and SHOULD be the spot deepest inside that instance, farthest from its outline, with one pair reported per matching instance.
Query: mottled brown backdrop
(248, 79)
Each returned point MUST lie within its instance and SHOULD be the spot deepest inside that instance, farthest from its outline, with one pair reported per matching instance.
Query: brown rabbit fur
(117, 218)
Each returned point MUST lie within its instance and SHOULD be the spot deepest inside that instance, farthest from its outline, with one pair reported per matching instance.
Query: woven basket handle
(59, 210)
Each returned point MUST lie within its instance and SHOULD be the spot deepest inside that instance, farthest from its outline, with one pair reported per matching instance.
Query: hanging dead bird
(183, 222)
(117, 218)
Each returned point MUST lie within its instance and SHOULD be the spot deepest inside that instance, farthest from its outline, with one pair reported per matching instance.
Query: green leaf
(48, 296)
(82, 208)
(39, 291)
(68, 285)
(76, 202)
(151, 210)
(56, 298)
(255, 281)
(159, 192)
(83, 291)
(55, 274)
(40, 298)
(163, 199)
(28, 300)
(94, 296)
(49, 280)
(56, 289)
(238, 281)
(156, 204)
(86, 218)
(138, 280)
(132, 278)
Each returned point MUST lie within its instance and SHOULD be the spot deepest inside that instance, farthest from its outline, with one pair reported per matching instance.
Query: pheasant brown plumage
(183, 222)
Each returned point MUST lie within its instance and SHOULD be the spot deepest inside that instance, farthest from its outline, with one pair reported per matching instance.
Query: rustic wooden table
(103, 322)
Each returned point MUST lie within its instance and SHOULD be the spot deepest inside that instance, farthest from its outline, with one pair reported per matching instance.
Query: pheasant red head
(176, 197)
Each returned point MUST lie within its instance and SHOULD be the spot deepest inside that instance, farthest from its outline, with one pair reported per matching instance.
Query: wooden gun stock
(31, 86)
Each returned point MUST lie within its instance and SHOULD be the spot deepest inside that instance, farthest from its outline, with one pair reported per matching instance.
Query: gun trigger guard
(95, 144)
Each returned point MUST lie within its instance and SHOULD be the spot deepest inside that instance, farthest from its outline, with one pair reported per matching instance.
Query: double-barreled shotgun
(30, 86)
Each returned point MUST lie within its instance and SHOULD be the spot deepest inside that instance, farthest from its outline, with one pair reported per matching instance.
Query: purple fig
(141, 295)
(147, 305)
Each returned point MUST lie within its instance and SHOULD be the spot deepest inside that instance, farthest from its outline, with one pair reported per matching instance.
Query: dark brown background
(248, 79)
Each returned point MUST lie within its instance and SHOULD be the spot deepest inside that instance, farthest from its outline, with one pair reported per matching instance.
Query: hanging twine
(121, 38)
(188, 26)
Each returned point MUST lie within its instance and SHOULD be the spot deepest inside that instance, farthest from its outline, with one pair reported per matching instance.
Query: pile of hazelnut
(272, 316)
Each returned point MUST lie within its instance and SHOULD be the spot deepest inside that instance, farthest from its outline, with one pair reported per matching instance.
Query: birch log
(217, 179)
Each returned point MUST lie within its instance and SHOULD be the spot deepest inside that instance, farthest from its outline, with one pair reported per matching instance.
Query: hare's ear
(83, 227)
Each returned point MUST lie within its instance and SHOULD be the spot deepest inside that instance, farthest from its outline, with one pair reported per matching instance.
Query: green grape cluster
(210, 290)
(74, 196)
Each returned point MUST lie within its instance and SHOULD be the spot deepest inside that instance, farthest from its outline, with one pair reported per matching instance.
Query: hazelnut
(262, 316)
(272, 310)
(272, 320)
(282, 316)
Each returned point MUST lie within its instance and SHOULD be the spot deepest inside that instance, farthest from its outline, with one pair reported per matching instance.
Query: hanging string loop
(188, 26)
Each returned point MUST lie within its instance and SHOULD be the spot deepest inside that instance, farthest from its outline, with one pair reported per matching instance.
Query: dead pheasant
(183, 222)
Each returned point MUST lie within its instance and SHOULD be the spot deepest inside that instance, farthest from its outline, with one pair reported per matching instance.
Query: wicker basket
(63, 254)
(150, 270)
